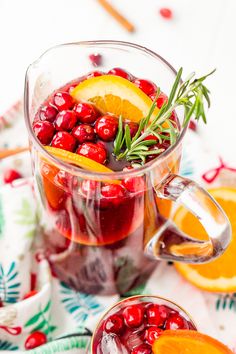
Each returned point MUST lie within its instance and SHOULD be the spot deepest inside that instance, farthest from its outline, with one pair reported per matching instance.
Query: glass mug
(123, 340)
(95, 245)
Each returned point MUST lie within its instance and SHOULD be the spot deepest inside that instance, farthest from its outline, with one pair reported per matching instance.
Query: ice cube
(111, 344)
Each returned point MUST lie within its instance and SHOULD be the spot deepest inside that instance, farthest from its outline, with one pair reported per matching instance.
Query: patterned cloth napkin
(68, 317)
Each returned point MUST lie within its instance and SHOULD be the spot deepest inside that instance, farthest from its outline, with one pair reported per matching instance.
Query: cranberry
(30, 294)
(192, 125)
(152, 333)
(35, 339)
(133, 315)
(64, 140)
(86, 112)
(151, 137)
(63, 101)
(94, 74)
(133, 127)
(154, 316)
(89, 188)
(44, 131)
(96, 59)
(10, 175)
(162, 98)
(65, 120)
(93, 151)
(146, 86)
(106, 127)
(134, 184)
(142, 349)
(83, 133)
(120, 72)
(48, 113)
(174, 322)
(166, 13)
(112, 191)
(114, 324)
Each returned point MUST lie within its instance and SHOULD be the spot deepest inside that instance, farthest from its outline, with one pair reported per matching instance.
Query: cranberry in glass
(93, 151)
(94, 74)
(152, 333)
(120, 72)
(83, 133)
(86, 112)
(133, 128)
(106, 127)
(142, 349)
(11, 175)
(154, 316)
(134, 184)
(65, 120)
(162, 98)
(174, 322)
(64, 140)
(96, 59)
(133, 315)
(44, 131)
(63, 101)
(146, 86)
(48, 113)
(114, 324)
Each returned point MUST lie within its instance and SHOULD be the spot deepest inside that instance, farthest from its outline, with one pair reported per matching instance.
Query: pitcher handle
(172, 244)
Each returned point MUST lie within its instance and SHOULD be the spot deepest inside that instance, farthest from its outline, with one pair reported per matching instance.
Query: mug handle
(172, 244)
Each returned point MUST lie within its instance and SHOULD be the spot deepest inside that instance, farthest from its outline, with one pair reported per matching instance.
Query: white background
(200, 37)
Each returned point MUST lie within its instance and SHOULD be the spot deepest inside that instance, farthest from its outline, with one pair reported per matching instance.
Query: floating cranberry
(154, 316)
(106, 127)
(174, 322)
(30, 294)
(133, 128)
(112, 191)
(134, 184)
(94, 74)
(162, 98)
(64, 140)
(44, 131)
(65, 120)
(86, 112)
(146, 86)
(114, 324)
(133, 315)
(152, 333)
(48, 113)
(142, 349)
(35, 339)
(120, 72)
(63, 101)
(83, 133)
(166, 13)
(10, 175)
(93, 151)
(96, 59)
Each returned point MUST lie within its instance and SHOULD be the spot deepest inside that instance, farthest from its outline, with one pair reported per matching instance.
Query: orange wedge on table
(188, 342)
(116, 95)
(220, 274)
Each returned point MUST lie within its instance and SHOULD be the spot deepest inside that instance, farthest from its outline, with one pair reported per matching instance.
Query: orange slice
(186, 342)
(78, 160)
(114, 94)
(220, 274)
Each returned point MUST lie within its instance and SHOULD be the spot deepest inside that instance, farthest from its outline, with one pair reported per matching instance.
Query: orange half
(188, 342)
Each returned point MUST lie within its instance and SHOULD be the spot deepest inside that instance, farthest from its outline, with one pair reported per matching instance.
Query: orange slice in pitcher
(220, 274)
(186, 342)
(116, 95)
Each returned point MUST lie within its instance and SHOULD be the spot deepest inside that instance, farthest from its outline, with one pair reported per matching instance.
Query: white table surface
(200, 37)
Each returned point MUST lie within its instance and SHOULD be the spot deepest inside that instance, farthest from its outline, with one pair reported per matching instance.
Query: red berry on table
(30, 294)
(120, 72)
(10, 175)
(96, 59)
(114, 324)
(133, 128)
(174, 322)
(142, 349)
(63, 101)
(35, 339)
(83, 133)
(94, 74)
(133, 315)
(152, 333)
(154, 316)
(86, 112)
(146, 86)
(162, 98)
(48, 113)
(93, 151)
(106, 127)
(44, 131)
(65, 120)
(64, 140)
(166, 13)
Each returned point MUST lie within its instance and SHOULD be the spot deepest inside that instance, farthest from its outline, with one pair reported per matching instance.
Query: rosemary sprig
(191, 94)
